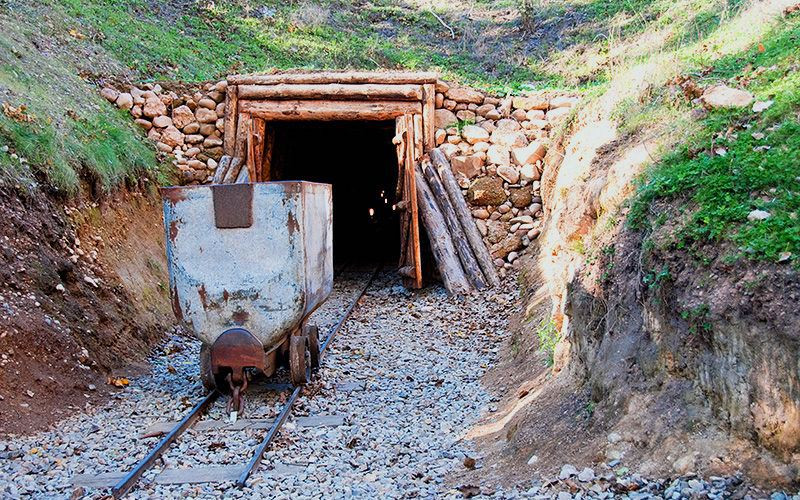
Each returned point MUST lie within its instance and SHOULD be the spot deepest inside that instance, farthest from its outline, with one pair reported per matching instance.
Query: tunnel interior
(359, 160)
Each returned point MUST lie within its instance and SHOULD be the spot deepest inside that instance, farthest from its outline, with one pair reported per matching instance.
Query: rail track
(124, 485)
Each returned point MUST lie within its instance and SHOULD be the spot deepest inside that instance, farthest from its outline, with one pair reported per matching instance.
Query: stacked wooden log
(231, 170)
(461, 256)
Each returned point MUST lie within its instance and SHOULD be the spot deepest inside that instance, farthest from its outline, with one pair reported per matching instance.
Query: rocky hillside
(662, 293)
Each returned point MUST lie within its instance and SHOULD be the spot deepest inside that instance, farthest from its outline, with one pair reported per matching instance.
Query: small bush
(548, 336)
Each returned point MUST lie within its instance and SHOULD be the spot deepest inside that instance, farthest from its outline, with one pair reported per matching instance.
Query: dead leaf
(761, 47)
(118, 381)
(171, 369)
(76, 34)
(19, 113)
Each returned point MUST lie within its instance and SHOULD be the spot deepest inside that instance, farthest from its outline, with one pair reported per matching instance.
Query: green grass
(755, 172)
(548, 336)
(210, 42)
(72, 134)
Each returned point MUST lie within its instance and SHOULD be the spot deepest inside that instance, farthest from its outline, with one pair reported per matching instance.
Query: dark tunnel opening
(359, 160)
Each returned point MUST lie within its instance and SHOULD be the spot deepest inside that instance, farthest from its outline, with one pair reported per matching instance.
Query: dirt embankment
(83, 292)
(666, 374)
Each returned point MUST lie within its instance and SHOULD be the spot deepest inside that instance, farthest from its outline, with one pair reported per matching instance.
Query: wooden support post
(460, 242)
(464, 216)
(242, 130)
(233, 171)
(419, 139)
(411, 197)
(269, 146)
(255, 148)
(441, 242)
(428, 109)
(222, 169)
(231, 115)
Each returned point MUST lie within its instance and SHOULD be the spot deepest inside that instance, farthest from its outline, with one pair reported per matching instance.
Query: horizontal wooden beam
(341, 91)
(328, 110)
(335, 77)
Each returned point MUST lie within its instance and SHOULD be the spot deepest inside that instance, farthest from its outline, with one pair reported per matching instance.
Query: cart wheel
(298, 365)
(206, 376)
(312, 332)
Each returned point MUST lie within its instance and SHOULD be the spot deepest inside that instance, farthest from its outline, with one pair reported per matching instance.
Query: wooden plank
(242, 131)
(335, 77)
(222, 169)
(212, 474)
(328, 110)
(218, 474)
(103, 480)
(460, 242)
(245, 423)
(401, 190)
(233, 171)
(333, 91)
(441, 241)
(231, 115)
(255, 148)
(428, 110)
(269, 147)
(419, 139)
(464, 216)
(416, 259)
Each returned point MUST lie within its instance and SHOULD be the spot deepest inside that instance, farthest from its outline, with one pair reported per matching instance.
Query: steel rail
(255, 461)
(126, 483)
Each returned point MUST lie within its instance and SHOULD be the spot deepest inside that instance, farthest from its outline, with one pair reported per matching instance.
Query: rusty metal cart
(248, 264)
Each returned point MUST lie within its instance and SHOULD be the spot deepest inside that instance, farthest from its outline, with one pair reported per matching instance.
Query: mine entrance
(359, 160)
(363, 132)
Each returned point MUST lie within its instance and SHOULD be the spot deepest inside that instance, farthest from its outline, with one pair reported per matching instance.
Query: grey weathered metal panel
(267, 277)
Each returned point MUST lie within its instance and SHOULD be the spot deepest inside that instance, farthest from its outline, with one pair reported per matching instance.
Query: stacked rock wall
(496, 147)
(187, 124)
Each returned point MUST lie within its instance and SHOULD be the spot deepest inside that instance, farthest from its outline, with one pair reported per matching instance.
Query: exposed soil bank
(691, 371)
(82, 294)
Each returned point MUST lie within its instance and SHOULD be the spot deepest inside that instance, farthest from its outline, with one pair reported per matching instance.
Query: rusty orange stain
(173, 230)
(203, 296)
(292, 224)
(240, 316)
(176, 305)
(173, 194)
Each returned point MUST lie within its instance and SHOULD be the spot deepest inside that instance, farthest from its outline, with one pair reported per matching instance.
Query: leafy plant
(548, 336)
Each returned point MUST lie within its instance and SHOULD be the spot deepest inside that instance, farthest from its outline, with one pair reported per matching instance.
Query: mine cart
(248, 264)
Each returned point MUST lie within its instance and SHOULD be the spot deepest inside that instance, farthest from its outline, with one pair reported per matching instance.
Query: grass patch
(548, 335)
(740, 160)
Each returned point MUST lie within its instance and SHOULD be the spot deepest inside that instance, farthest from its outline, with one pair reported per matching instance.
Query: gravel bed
(404, 372)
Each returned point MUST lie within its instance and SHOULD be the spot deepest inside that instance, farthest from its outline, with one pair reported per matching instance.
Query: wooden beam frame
(333, 91)
(335, 77)
(328, 110)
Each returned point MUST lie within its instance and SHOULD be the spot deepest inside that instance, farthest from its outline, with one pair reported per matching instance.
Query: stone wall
(496, 147)
(186, 124)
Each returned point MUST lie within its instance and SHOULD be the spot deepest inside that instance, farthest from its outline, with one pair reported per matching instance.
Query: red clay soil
(83, 292)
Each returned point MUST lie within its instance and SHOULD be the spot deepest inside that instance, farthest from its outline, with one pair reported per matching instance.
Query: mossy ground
(739, 160)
